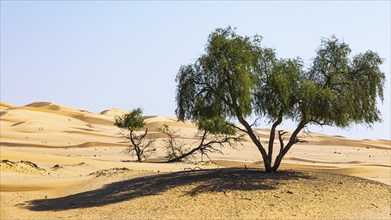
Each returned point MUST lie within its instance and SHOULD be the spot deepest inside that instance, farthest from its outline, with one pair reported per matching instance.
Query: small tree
(237, 78)
(211, 133)
(131, 123)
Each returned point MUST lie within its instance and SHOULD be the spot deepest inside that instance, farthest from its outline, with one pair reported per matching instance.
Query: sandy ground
(61, 162)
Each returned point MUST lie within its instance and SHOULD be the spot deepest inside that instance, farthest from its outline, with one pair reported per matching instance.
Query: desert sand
(61, 162)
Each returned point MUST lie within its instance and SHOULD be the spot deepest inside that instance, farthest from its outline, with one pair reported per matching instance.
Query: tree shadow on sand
(213, 180)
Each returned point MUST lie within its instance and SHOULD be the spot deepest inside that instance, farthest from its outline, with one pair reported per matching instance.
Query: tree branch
(281, 139)
(255, 122)
(250, 132)
(240, 129)
(317, 122)
(300, 141)
(272, 136)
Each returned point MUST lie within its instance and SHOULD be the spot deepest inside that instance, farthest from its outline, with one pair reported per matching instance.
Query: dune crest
(113, 112)
(52, 106)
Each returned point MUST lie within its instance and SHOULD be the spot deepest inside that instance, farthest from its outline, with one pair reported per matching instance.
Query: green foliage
(132, 121)
(216, 125)
(237, 77)
(220, 82)
(276, 91)
(343, 90)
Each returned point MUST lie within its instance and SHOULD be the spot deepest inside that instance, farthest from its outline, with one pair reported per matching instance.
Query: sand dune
(59, 152)
(4, 106)
(113, 112)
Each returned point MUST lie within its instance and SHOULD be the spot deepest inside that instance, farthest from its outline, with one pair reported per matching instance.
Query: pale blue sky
(123, 54)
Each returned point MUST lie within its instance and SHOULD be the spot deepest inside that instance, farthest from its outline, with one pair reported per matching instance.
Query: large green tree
(238, 79)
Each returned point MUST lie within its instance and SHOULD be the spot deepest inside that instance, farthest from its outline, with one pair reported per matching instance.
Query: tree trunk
(268, 167)
(138, 153)
(272, 137)
(266, 161)
(135, 146)
(277, 162)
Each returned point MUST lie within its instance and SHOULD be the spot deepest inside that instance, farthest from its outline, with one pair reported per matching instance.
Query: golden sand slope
(68, 155)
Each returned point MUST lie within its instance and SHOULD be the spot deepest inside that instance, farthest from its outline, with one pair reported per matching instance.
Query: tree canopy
(131, 121)
(237, 78)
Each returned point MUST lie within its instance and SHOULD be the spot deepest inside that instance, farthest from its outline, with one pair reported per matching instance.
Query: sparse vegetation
(174, 149)
(212, 135)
